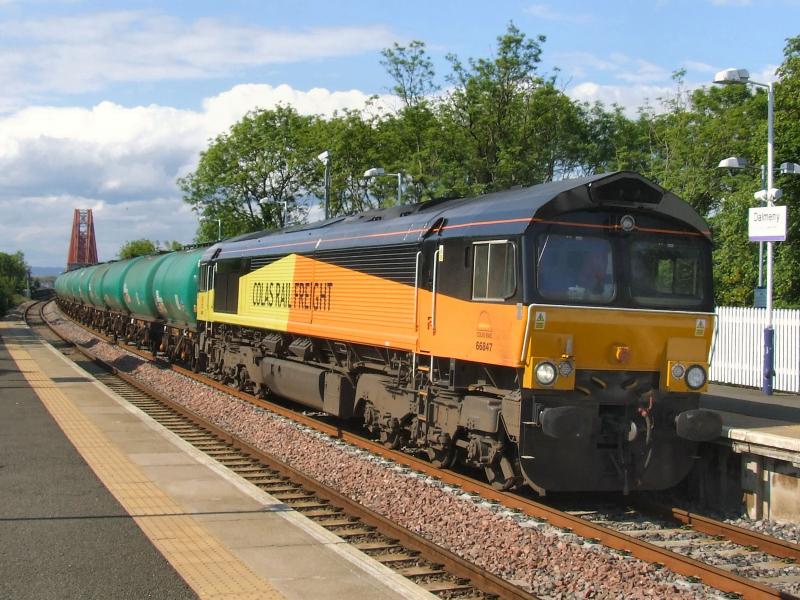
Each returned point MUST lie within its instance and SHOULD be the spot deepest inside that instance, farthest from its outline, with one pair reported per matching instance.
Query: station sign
(767, 224)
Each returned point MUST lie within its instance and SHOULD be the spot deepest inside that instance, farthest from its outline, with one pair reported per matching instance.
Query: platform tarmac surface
(99, 501)
(63, 534)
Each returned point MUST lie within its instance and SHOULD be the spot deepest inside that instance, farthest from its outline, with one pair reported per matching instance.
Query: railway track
(432, 568)
(655, 547)
(750, 555)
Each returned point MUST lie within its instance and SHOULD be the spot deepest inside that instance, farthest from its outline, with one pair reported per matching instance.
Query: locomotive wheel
(501, 474)
(393, 439)
(442, 458)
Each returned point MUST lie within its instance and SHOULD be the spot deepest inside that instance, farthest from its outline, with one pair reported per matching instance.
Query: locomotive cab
(616, 353)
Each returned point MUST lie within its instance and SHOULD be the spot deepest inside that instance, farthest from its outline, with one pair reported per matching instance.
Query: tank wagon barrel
(555, 336)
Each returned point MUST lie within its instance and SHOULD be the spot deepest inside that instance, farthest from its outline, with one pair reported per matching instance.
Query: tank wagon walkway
(98, 501)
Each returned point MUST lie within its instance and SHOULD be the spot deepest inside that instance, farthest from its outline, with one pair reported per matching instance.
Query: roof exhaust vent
(624, 189)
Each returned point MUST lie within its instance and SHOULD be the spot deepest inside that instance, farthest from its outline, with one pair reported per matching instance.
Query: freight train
(555, 336)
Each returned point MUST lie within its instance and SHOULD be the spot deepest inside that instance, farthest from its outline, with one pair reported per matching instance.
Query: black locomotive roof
(504, 213)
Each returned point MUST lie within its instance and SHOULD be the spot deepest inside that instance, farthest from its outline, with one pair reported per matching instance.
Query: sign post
(768, 224)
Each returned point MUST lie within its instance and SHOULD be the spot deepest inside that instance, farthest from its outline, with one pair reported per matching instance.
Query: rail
(683, 565)
(480, 578)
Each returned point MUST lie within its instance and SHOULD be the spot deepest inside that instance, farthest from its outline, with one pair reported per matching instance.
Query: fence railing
(739, 353)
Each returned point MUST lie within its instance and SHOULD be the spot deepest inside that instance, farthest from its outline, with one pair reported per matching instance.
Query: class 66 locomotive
(555, 336)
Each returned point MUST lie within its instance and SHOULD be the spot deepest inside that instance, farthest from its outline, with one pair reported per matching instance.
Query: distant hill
(46, 271)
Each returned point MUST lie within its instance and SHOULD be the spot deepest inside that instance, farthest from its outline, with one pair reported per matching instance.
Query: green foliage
(501, 123)
(13, 279)
(137, 248)
(252, 176)
(412, 71)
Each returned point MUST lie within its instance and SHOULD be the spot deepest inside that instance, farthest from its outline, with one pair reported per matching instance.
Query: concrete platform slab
(226, 537)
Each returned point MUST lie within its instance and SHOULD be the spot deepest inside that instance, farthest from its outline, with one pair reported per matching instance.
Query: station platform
(757, 423)
(763, 433)
(99, 501)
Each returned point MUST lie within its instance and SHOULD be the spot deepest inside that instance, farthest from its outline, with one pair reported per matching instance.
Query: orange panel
(478, 331)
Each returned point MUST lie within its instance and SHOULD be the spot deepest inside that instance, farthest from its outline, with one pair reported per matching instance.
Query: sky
(104, 105)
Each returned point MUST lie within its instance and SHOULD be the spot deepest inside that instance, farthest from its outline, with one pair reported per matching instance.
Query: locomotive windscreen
(640, 270)
(575, 268)
(668, 273)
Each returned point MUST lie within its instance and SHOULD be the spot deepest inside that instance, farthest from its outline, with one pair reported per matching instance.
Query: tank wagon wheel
(196, 363)
(240, 380)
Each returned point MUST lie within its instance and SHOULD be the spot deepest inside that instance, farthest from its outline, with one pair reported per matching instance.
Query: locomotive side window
(667, 273)
(575, 268)
(494, 272)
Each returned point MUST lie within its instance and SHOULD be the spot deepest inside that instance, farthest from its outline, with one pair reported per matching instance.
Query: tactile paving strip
(209, 568)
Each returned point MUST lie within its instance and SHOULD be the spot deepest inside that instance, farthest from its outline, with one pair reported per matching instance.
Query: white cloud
(629, 97)
(618, 66)
(122, 162)
(87, 52)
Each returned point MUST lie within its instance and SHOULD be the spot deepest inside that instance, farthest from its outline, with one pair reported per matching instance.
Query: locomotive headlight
(678, 370)
(627, 223)
(565, 368)
(695, 377)
(545, 373)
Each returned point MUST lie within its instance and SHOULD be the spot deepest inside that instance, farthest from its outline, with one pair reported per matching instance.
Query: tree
(252, 176)
(13, 278)
(488, 104)
(136, 248)
(356, 146)
(410, 135)
(611, 141)
(787, 149)
(412, 71)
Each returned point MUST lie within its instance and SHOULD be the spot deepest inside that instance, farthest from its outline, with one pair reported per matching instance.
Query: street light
(379, 172)
(789, 168)
(325, 157)
(219, 225)
(726, 77)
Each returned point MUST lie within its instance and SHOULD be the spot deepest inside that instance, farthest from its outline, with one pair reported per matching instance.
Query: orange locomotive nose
(622, 354)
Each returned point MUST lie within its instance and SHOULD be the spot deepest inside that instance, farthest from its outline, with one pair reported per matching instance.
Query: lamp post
(325, 157)
(379, 172)
(730, 76)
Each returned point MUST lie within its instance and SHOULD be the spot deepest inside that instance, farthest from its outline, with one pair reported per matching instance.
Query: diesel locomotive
(555, 336)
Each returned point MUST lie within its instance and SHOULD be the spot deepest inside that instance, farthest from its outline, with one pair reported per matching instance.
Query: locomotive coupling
(699, 425)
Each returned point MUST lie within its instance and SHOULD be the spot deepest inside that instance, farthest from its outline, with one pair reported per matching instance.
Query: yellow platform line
(209, 568)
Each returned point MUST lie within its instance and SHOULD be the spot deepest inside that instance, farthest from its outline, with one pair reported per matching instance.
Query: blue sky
(105, 104)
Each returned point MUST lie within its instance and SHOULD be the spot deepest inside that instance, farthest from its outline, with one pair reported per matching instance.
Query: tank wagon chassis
(555, 336)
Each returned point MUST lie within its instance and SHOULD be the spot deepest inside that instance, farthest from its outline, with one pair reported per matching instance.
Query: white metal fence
(739, 353)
